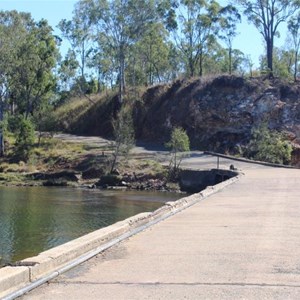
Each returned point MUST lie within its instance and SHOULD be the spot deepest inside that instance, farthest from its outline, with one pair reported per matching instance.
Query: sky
(249, 41)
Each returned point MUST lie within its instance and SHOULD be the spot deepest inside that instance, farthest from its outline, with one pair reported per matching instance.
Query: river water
(34, 219)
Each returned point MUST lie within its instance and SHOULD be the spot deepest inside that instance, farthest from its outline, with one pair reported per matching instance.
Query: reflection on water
(34, 219)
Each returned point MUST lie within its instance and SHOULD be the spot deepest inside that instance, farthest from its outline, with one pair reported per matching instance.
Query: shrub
(269, 146)
(178, 143)
(25, 138)
(13, 123)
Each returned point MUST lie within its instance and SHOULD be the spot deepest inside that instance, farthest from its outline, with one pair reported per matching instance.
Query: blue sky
(52, 10)
(249, 41)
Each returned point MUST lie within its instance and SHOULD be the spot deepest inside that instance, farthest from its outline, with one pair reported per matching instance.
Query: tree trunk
(191, 67)
(150, 66)
(295, 66)
(201, 64)
(270, 57)
(121, 75)
(230, 60)
(120, 86)
(2, 148)
(99, 81)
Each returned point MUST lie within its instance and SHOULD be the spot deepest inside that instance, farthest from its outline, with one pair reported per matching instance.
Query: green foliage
(4, 124)
(269, 146)
(25, 138)
(179, 140)
(45, 120)
(282, 63)
(28, 55)
(31, 79)
(178, 143)
(67, 70)
(13, 122)
(153, 51)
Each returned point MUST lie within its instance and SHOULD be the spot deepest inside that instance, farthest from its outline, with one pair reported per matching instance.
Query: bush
(13, 123)
(178, 143)
(269, 146)
(25, 138)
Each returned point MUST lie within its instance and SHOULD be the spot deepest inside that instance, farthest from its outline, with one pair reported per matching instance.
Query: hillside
(217, 113)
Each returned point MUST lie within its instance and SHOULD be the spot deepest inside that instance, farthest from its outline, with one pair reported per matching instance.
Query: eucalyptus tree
(267, 15)
(32, 79)
(67, 70)
(103, 64)
(237, 61)
(12, 31)
(247, 65)
(28, 54)
(103, 60)
(294, 29)
(177, 66)
(78, 32)
(196, 24)
(152, 50)
(120, 23)
(217, 61)
(229, 18)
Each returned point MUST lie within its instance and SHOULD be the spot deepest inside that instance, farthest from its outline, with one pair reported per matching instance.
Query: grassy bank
(60, 163)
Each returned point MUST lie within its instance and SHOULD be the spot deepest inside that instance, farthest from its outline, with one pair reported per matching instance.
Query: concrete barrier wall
(52, 262)
(194, 181)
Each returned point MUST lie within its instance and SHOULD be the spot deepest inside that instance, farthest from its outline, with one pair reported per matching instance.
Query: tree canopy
(267, 15)
(28, 56)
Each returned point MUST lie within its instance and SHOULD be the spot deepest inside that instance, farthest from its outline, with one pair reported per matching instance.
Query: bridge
(242, 242)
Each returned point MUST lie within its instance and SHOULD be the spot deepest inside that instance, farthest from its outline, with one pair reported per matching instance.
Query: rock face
(218, 114)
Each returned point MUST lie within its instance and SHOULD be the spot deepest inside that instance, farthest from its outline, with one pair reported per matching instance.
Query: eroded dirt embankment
(217, 113)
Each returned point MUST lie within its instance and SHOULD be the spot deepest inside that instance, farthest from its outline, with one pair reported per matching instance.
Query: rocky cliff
(219, 113)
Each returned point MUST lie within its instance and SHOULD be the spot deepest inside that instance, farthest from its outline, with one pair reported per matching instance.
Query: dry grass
(147, 166)
(75, 108)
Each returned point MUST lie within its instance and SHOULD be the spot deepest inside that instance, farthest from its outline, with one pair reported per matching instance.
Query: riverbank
(76, 161)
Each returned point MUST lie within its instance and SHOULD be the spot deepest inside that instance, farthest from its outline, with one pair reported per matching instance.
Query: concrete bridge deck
(240, 243)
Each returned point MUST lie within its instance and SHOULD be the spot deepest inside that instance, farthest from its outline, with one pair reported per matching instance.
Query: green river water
(34, 219)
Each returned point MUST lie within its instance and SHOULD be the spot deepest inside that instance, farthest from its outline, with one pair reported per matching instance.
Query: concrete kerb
(13, 278)
(37, 270)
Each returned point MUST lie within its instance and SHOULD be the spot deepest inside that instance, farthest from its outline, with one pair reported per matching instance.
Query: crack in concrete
(178, 283)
